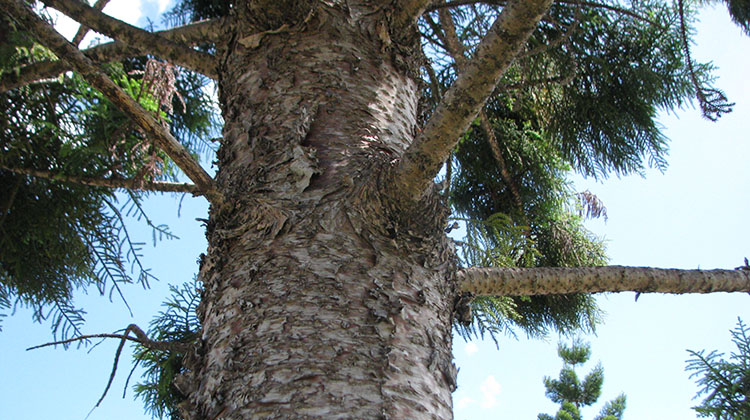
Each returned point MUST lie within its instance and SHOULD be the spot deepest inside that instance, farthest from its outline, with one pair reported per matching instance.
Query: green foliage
(572, 394)
(725, 382)
(582, 96)
(177, 323)
(55, 236)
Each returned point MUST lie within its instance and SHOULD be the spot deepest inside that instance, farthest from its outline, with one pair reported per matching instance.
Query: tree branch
(408, 11)
(137, 38)
(462, 102)
(194, 33)
(566, 280)
(83, 30)
(140, 338)
(456, 50)
(131, 184)
(62, 48)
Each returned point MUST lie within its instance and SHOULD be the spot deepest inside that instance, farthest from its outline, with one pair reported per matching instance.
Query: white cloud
(126, 10)
(464, 402)
(163, 5)
(471, 348)
(490, 389)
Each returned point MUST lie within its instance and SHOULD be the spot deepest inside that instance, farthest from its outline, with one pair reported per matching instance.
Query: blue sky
(692, 216)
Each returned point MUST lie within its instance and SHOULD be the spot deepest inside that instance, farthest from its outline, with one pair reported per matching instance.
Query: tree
(726, 383)
(572, 394)
(329, 287)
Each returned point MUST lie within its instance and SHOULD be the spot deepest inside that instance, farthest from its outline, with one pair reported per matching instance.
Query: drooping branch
(462, 102)
(131, 184)
(140, 338)
(566, 280)
(89, 71)
(137, 38)
(207, 31)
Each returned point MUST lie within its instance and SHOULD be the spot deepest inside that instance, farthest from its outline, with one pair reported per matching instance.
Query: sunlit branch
(456, 50)
(89, 71)
(137, 38)
(567, 280)
(130, 184)
(207, 31)
(463, 101)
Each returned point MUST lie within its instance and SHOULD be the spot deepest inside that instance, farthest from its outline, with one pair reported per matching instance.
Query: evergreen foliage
(77, 234)
(572, 393)
(582, 97)
(177, 323)
(724, 382)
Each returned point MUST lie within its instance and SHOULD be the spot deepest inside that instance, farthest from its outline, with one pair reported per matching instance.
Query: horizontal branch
(137, 38)
(567, 280)
(140, 338)
(462, 102)
(89, 71)
(207, 31)
(131, 184)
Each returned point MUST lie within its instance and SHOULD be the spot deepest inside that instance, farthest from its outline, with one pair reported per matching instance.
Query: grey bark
(322, 299)
(565, 280)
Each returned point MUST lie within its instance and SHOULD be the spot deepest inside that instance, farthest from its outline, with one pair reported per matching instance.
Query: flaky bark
(137, 38)
(208, 31)
(88, 70)
(565, 280)
(462, 102)
(321, 299)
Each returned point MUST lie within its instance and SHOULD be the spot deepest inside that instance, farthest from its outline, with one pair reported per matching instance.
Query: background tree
(572, 393)
(289, 185)
(725, 383)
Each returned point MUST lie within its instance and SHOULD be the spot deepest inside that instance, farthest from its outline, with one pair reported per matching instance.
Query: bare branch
(463, 101)
(83, 30)
(140, 338)
(62, 48)
(137, 38)
(566, 280)
(131, 184)
(205, 31)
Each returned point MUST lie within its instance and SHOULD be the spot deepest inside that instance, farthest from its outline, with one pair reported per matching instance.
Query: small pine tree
(726, 382)
(572, 394)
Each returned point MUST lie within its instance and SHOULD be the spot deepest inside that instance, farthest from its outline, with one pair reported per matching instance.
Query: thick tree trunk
(321, 298)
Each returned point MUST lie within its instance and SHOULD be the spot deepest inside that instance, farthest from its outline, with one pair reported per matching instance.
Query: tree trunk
(321, 298)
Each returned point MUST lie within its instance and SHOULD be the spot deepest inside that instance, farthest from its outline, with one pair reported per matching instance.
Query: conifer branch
(207, 31)
(713, 102)
(137, 38)
(130, 184)
(463, 101)
(89, 71)
(456, 50)
(567, 280)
